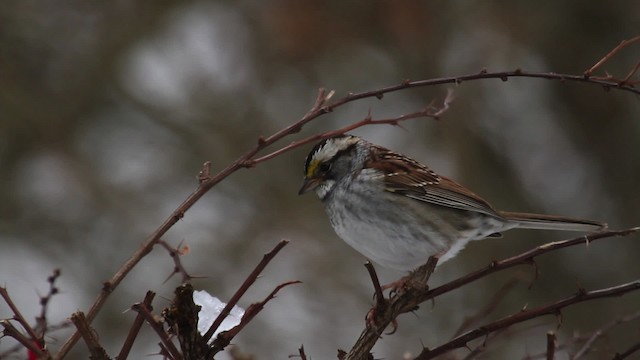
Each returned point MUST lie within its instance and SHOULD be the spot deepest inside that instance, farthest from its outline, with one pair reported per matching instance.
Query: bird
(398, 212)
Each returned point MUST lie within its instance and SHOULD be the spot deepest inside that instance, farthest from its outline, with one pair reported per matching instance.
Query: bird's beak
(309, 184)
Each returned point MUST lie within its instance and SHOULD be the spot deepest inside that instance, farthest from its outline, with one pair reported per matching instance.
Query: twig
(634, 348)
(17, 315)
(610, 54)
(206, 182)
(89, 336)
(549, 309)
(633, 71)
(552, 342)
(402, 302)
(598, 333)
(41, 321)
(11, 331)
(488, 308)
(320, 107)
(301, 353)
(178, 268)
(428, 112)
(169, 346)
(243, 288)
(225, 337)
(135, 328)
(524, 258)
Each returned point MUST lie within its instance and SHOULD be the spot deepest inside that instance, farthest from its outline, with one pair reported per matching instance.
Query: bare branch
(135, 328)
(488, 308)
(403, 301)
(549, 309)
(243, 288)
(552, 342)
(169, 346)
(428, 112)
(525, 258)
(17, 315)
(630, 351)
(586, 347)
(41, 320)
(623, 44)
(225, 337)
(89, 336)
(13, 332)
(178, 268)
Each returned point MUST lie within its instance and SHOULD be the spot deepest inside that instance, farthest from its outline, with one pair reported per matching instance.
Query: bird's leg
(416, 279)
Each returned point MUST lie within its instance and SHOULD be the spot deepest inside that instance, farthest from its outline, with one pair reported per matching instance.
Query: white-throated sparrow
(398, 212)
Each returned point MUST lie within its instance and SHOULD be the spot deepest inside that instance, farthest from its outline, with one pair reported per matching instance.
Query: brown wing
(409, 178)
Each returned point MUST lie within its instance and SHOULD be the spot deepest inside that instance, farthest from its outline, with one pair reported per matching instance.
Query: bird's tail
(552, 222)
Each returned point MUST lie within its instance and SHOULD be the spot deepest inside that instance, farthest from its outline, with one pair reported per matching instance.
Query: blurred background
(109, 109)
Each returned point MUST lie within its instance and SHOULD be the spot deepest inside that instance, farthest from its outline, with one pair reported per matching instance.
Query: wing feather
(407, 177)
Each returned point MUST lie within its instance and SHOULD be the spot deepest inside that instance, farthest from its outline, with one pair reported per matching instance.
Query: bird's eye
(324, 167)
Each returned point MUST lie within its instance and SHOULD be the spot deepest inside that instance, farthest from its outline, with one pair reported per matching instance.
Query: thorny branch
(525, 258)
(243, 288)
(89, 336)
(586, 347)
(623, 44)
(552, 343)
(145, 311)
(175, 254)
(549, 309)
(225, 337)
(405, 300)
(322, 105)
(491, 305)
(409, 300)
(135, 327)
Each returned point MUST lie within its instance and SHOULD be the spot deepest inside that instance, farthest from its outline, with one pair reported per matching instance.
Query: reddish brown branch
(409, 300)
(17, 315)
(552, 343)
(588, 344)
(135, 328)
(301, 353)
(169, 346)
(41, 320)
(630, 351)
(28, 343)
(243, 288)
(623, 44)
(524, 259)
(634, 70)
(225, 337)
(89, 336)
(405, 300)
(428, 112)
(549, 309)
(491, 305)
(320, 107)
(178, 267)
